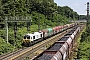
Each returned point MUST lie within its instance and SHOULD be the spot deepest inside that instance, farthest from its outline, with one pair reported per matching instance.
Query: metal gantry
(17, 19)
(87, 12)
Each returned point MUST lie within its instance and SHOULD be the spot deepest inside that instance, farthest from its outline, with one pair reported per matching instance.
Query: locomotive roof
(29, 35)
(35, 33)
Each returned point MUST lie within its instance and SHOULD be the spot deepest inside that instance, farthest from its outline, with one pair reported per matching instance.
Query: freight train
(61, 49)
(30, 39)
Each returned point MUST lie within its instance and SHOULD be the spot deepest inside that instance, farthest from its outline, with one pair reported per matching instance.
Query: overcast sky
(77, 5)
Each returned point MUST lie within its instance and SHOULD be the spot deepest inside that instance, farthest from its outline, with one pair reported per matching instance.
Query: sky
(79, 6)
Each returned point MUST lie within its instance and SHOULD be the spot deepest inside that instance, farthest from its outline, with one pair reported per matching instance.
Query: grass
(78, 42)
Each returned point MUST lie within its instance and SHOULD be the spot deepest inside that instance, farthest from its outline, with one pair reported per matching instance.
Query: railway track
(33, 51)
(6, 56)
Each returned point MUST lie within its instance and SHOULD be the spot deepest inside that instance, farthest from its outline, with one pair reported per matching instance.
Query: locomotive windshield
(26, 37)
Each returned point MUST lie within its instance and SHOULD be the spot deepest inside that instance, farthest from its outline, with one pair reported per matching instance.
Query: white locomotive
(30, 39)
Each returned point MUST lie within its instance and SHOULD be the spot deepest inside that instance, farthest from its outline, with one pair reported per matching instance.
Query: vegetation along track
(31, 52)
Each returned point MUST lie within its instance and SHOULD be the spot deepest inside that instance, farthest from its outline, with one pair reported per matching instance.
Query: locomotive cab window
(28, 37)
(33, 37)
(24, 37)
(41, 35)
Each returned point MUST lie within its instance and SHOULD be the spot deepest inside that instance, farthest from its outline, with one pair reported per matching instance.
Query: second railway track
(33, 51)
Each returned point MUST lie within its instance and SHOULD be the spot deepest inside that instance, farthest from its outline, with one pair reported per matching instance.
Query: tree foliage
(26, 8)
(44, 11)
(84, 47)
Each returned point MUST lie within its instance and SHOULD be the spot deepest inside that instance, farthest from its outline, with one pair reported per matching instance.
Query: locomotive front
(27, 39)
